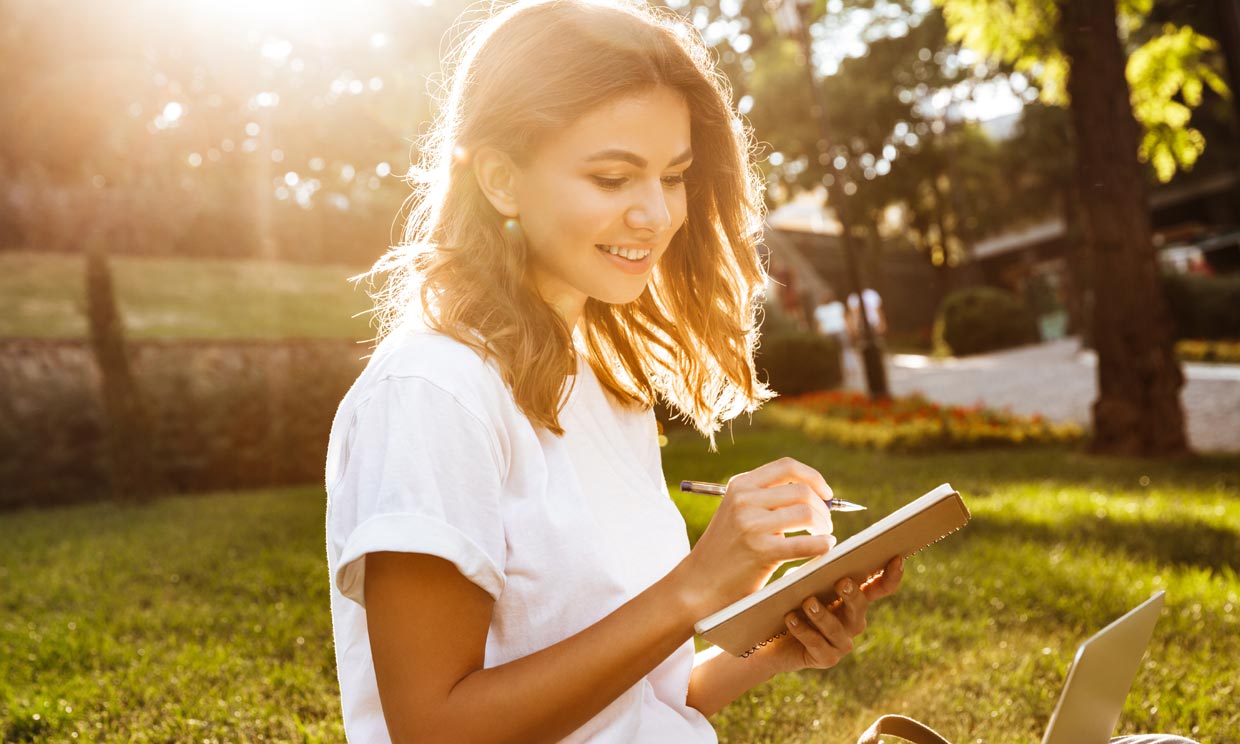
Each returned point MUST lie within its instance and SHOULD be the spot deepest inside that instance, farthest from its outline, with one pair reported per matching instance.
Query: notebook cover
(755, 620)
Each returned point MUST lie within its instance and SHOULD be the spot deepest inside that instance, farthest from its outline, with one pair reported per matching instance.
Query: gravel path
(1059, 381)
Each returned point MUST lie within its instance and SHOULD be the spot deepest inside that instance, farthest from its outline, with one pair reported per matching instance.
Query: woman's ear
(497, 177)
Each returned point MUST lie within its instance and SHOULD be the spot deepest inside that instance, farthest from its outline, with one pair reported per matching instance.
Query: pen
(715, 489)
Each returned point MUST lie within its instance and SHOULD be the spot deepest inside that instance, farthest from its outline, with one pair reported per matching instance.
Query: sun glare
(288, 21)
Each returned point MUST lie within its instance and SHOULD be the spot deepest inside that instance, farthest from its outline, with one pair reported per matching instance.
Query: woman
(506, 562)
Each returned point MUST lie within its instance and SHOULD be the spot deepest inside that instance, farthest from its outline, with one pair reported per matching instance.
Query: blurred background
(186, 185)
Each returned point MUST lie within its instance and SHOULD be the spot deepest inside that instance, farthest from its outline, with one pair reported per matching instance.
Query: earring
(512, 226)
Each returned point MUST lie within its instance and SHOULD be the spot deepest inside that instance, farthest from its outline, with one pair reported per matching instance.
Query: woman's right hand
(745, 541)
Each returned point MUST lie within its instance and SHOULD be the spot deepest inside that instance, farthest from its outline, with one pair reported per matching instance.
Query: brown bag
(904, 727)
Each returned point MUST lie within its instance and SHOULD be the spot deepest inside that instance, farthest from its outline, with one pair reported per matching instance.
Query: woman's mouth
(631, 254)
(630, 260)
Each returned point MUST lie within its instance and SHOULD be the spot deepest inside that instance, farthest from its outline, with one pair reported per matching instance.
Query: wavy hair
(528, 70)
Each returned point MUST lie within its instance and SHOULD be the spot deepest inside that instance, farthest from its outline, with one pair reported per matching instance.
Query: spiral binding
(783, 633)
(772, 639)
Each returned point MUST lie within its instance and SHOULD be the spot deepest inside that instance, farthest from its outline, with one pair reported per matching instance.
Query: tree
(1138, 407)
(1075, 48)
(899, 143)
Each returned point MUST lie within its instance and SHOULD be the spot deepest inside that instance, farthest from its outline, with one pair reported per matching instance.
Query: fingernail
(813, 606)
(847, 588)
(900, 563)
(793, 621)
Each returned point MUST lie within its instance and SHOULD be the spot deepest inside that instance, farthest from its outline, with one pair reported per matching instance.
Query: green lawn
(44, 296)
(206, 619)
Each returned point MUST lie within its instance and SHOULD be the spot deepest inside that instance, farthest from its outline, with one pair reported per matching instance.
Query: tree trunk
(131, 468)
(1138, 411)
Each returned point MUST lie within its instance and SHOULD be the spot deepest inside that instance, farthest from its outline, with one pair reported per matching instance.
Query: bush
(1195, 350)
(222, 415)
(797, 362)
(912, 424)
(981, 319)
(1204, 307)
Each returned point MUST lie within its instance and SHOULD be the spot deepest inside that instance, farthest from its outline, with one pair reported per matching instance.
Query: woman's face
(600, 201)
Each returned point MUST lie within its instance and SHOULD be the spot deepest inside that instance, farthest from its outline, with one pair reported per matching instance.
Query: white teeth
(632, 254)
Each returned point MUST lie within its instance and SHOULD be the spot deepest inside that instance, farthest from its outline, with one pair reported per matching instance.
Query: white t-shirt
(430, 454)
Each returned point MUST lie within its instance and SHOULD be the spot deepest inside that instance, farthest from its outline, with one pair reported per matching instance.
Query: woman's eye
(676, 180)
(609, 184)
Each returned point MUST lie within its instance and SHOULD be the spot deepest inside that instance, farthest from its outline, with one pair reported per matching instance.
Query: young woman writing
(506, 562)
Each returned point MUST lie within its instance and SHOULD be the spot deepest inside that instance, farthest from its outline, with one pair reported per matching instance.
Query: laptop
(1100, 677)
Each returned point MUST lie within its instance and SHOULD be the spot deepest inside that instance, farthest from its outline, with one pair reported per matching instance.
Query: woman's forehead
(646, 129)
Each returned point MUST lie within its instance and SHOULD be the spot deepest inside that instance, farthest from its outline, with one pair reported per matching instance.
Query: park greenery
(230, 129)
(214, 172)
(203, 617)
(912, 423)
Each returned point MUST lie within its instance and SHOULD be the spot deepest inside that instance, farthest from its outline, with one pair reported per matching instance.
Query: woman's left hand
(820, 635)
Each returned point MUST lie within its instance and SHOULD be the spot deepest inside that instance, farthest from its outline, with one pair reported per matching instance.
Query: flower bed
(912, 424)
(1190, 350)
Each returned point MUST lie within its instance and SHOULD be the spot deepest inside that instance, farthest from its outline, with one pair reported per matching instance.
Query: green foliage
(1020, 33)
(1204, 307)
(795, 363)
(261, 96)
(981, 319)
(215, 415)
(1167, 74)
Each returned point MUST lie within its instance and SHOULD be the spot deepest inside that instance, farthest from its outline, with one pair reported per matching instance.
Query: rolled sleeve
(421, 473)
(414, 533)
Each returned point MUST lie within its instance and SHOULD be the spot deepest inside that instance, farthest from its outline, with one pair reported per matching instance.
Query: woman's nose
(651, 211)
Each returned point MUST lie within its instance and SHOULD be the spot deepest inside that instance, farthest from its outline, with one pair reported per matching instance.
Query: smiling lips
(629, 259)
(632, 254)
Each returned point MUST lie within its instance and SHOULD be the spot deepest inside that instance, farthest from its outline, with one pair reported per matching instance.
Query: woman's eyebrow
(635, 159)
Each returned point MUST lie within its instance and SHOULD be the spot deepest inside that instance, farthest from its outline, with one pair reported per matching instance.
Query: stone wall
(224, 414)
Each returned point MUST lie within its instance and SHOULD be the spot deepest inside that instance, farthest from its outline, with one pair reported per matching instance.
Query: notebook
(1100, 677)
(744, 626)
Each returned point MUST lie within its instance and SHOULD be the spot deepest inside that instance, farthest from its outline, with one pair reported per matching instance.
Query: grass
(44, 296)
(205, 618)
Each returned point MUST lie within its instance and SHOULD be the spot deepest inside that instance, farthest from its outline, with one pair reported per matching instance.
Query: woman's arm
(428, 624)
(719, 678)
(428, 628)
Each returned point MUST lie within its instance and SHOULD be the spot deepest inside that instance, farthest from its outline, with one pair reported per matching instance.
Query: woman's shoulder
(418, 353)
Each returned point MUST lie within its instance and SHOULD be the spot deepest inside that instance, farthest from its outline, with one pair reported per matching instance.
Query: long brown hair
(525, 72)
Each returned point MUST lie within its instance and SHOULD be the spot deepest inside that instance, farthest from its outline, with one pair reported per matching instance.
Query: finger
(828, 625)
(793, 518)
(785, 470)
(773, 497)
(886, 583)
(818, 652)
(798, 546)
(851, 610)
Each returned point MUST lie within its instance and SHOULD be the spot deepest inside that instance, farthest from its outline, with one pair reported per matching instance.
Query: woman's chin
(618, 296)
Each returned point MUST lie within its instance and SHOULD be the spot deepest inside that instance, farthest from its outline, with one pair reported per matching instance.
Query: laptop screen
(1100, 677)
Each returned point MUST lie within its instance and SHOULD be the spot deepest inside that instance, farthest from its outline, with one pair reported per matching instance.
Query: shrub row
(223, 415)
(981, 319)
(912, 424)
(794, 363)
(1204, 307)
